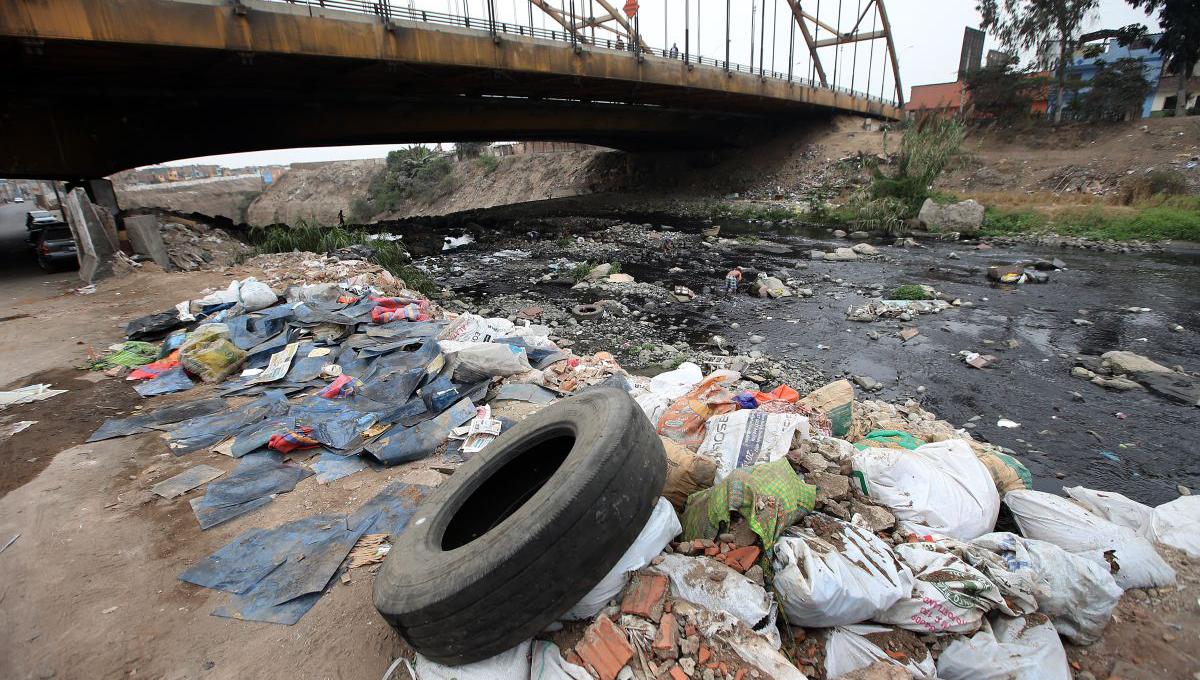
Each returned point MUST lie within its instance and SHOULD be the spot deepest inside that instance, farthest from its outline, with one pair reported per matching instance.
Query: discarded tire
(587, 311)
(521, 532)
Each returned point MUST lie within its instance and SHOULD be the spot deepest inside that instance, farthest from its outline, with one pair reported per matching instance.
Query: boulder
(1126, 363)
(841, 255)
(865, 249)
(599, 272)
(965, 217)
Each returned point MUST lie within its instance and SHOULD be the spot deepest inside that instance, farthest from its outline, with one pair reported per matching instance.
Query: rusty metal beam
(800, 17)
(891, 46)
(852, 38)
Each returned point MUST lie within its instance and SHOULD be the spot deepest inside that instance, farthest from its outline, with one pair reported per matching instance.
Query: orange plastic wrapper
(684, 419)
(781, 393)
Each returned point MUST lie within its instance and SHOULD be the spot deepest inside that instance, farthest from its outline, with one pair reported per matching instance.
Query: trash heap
(798, 536)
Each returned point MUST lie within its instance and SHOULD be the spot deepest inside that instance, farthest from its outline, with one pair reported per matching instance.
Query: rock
(841, 255)
(757, 339)
(921, 389)
(829, 487)
(688, 665)
(1081, 372)
(1176, 327)
(755, 574)
(809, 461)
(805, 292)
(952, 256)
(599, 272)
(876, 518)
(1183, 490)
(865, 249)
(619, 278)
(838, 233)
(816, 254)
(965, 217)
(867, 383)
(1117, 383)
(1123, 363)
(880, 670)
(1082, 322)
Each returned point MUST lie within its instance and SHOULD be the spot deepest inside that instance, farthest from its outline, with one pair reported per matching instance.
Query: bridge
(97, 86)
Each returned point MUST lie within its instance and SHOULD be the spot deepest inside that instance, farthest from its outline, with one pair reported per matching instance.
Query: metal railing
(386, 11)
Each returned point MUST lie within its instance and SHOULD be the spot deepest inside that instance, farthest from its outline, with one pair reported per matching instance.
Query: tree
(1179, 21)
(1002, 92)
(1115, 92)
(1031, 23)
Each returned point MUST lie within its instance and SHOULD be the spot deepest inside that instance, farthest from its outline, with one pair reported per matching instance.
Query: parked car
(36, 221)
(56, 248)
(18, 199)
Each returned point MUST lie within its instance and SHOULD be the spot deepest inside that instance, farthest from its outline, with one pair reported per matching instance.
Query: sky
(928, 36)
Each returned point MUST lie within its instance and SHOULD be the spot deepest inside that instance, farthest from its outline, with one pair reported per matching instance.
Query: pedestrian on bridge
(674, 50)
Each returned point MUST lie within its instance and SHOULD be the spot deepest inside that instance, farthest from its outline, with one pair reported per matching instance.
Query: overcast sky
(928, 35)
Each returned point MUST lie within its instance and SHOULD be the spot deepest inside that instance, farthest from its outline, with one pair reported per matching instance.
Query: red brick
(645, 595)
(712, 551)
(604, 649)
(743, 558)
(689, 630)
(740, 674)
(666, 641)
(702, 658)
(678, 674)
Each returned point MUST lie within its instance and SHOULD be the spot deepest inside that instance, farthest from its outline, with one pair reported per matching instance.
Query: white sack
(674, 384)
(1025, 648)
(942, 486)
(948, 596)
(540, 660)
(476, 361)
(747, 437)
(1077, 594)
(653, 405)
(1047, 517)
(847, 650)
(468, 328)
(1176, 523)
(731, 592)
(662, 526)
(753, 648)
(250, 293)
(823, 585)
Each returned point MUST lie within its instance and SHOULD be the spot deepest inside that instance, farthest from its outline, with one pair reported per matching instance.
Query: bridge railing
(385, 10)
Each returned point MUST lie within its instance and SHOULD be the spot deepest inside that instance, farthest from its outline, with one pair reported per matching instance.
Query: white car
(18, 199)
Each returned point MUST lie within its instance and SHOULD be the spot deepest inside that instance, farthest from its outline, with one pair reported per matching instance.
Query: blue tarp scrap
(331, 467)
(248, 487)
(145, 422)
(277, 575)
(403, 444)
(205, 431)
(167, 382)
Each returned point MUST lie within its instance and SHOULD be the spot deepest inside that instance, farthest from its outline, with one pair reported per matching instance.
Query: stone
(619, 278)
(875, 517)
(865, 249)
(666, 641)
(146, 239)
(645, 595)
(1082, 322)
(756, 339)
(805, 292)
(1123, 363)
(1183, 490)
(907, 334)
(755, 574)
(842, 255)
(965, 217)
(867, 383)
(1081, 372)
(829, 487)
(860, 235)
(604, 649)
(816, 254)
(688, 665)
(838, 233)
(1117, 383)
(599, 272)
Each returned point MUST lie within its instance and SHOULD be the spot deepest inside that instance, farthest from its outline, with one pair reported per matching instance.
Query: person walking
(674, 50)
(732, 280)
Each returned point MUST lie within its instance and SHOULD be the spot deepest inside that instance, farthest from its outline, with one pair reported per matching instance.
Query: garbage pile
(797, 536)
(194, 245)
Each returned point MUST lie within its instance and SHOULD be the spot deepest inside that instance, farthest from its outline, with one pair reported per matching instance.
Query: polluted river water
(1068, 431)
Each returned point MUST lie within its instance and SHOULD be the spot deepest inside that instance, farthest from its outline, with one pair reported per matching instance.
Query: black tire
(525, 529)
(587, 311)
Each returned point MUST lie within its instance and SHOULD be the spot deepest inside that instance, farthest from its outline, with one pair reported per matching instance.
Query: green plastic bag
(888, 439)
(131, 355)
(771, 496)
(209, 354)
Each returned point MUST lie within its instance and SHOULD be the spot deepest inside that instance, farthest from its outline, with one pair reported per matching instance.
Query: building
(1104, 46)
(944, 100)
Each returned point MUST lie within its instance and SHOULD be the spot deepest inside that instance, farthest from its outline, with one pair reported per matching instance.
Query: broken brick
(740, 674)
(714, 550)
(604, 649)
(743, 558)
(666, 641)
(645, 596)
(704, 654)
(678, 674)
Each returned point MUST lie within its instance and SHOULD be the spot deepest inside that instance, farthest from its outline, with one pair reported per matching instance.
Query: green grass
(314, 238)
(488, 163)
(910, 291)
(580, 271)
(1176, 219)
(755, 212)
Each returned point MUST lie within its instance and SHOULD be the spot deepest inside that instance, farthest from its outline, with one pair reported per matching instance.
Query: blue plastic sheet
(167, 382)
(247, 332)
(205, 431)
(403, 444)
(330, 466)
(391, 509)
(248, 487)
(145, 422)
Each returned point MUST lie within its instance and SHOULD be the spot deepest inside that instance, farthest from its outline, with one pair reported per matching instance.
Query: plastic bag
(676, 383)
(714, 586)
(940, 486)
(1176, 523)
(687, 473)
(1007, 472)
(208, 353)
(475, 361)
(1077, 594)
(849, 578)
(1050, 518)
(771, 497)
(1025, 648)
(848, 649)
(468, 328)
(683, 421)
(662, 526)
(250, 293)
(835, 400)
(949, 595)
(536, 659)
(746, 438)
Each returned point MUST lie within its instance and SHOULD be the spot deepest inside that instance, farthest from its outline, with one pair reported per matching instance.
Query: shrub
(488, 163)
(580, 271)
(1140, 188)
(925, 149)
(910, 291)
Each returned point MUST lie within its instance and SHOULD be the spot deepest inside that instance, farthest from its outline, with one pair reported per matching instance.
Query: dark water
(1145, 454)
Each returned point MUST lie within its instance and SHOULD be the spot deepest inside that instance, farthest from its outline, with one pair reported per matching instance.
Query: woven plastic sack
(771, 497)
(209, 354)
(683, 421)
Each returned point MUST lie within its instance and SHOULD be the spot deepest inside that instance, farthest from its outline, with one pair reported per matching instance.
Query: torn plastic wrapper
(205, 431)
(403, 444)
(121, 427)
(172, 380)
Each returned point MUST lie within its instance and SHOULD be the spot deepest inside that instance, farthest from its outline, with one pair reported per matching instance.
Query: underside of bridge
(96, 86)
